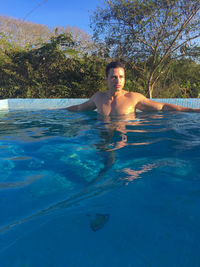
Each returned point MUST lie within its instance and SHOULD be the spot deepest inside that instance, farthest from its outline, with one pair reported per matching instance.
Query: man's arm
(88, 105)
(145, 104)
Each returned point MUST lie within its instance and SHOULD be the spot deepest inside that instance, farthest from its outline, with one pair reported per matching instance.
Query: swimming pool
(80, 190)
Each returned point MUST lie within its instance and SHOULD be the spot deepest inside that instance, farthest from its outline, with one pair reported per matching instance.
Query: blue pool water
(80, 190)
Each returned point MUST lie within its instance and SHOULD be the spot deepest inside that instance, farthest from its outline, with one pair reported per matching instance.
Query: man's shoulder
(100, 93)
(135, 95)
(97, 95)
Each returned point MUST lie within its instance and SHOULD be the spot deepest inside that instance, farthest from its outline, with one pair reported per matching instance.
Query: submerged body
(117, 101)
(121, 221)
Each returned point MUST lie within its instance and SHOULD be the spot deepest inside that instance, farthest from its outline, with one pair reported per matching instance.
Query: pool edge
(56, 103)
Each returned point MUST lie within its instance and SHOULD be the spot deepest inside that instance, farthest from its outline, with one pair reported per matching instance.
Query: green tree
(36, 72)
(87, 76)
(182, 80)
(56, 69)
(148, 32)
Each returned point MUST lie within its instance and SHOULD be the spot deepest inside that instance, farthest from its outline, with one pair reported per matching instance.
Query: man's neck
(115, 94)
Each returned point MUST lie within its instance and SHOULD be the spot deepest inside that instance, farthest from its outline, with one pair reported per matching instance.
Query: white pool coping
(40, 104)
(37, 104)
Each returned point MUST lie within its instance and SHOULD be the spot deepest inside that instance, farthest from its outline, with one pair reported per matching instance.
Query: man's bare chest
(120, 106)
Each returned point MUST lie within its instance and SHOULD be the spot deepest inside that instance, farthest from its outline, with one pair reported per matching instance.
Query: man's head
(113, 65)
(115, 76)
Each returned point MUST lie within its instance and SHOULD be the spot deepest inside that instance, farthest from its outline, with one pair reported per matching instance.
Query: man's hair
(113, 65)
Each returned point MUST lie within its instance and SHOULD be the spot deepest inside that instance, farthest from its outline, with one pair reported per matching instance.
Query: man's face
(116, 79)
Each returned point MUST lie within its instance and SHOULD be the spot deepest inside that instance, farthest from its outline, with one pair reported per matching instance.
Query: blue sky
(52, 12)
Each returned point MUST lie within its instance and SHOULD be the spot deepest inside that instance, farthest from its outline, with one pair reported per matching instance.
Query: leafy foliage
(148, 31)
(56, 69)
(66, 65)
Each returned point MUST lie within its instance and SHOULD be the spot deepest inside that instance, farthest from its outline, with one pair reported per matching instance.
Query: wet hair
(113, 65)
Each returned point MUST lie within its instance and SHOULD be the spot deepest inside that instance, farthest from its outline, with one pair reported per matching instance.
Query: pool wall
(39, 104)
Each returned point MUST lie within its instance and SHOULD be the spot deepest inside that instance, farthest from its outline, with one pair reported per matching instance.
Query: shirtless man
(116, 101)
